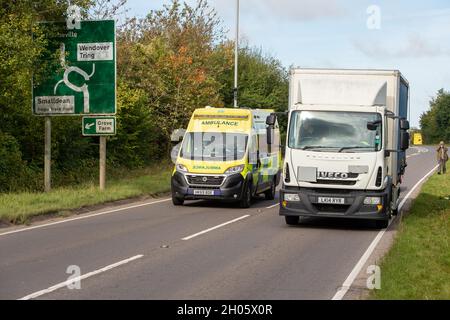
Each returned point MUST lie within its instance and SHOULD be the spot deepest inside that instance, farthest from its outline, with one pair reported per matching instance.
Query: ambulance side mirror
(270, 135)
(177, 135)
(271, 119)
(270, 122)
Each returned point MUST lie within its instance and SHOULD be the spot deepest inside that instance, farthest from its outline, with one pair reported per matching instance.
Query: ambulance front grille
(205, 180)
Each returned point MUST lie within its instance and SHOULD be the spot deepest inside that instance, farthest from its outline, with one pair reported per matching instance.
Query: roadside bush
(12, 167)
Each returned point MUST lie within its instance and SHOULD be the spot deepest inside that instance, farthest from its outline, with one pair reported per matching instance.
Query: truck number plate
(329, 200)
(203, 192)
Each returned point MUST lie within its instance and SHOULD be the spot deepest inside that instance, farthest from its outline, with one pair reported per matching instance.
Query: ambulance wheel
(177, 201)
(292, 220)
(270, 194)
(246, 200)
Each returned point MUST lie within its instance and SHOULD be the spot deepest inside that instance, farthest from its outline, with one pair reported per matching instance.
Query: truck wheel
(246, 200)
(292, 220)
(270, 194)
(381, 224)
(394, 212)
(177, 201)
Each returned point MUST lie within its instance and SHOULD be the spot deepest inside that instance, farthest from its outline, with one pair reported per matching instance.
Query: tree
(435, 123)
(173, 61)
(23, 42)
(263, 81)
(171, 56)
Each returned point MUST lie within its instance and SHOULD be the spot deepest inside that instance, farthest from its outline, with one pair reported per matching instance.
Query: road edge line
(86, 216)
(339, 295)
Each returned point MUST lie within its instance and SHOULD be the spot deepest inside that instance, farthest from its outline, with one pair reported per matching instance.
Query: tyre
(270, 194)
(292, 220)
(177, 201)
(246, 200)
(394, 212)
(381, 224)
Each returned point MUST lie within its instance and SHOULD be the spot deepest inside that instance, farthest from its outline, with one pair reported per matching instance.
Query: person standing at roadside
(442, 157)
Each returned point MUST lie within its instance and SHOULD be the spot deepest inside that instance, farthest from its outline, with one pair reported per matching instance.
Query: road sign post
(102, 174)
(102, 127)
(47, 154)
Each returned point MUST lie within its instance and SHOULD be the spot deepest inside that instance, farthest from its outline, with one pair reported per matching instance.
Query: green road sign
(99, 126)
(83, 80)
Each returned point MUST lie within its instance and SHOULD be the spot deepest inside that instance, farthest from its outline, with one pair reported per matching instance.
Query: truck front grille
(333, 208)
(337, 182)
(205, 180)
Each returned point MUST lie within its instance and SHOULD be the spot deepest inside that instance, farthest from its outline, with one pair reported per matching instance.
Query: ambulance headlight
(235, 169)
(181, 168)
(291, 197)
(372, 201)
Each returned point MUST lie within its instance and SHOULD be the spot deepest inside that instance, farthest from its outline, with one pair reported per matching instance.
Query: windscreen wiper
(349, 148)
(315, 147)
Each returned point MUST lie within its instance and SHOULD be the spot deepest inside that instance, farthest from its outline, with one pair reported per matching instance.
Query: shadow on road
(258, 203)
(336, 224)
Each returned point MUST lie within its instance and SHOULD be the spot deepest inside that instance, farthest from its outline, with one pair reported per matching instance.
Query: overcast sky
(411, 36)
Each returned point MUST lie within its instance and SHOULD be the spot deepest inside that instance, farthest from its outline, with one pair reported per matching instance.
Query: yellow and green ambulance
(227, 154)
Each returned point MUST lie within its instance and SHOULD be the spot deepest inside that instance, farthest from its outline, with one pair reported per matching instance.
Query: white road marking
(84, 217)
(214, 228)
(77, 279)
(420, 150)
(362, 261)
(275, 205)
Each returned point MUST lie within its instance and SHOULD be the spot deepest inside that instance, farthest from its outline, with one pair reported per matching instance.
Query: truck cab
(224, 155)
(346, 142)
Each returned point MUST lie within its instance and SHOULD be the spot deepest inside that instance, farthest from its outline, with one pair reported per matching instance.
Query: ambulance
(228, 154)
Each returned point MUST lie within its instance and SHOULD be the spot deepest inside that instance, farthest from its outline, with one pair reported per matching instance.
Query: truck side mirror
(271, 119)
(404, 140)
(177, 135)
(404, 124)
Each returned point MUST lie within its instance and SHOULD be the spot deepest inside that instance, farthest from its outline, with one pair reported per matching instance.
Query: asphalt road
(255, 256)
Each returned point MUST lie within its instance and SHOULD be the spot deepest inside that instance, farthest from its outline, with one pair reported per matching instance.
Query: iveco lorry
(227, 154)
(346, 142)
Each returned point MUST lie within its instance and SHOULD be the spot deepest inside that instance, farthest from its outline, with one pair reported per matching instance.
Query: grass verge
(18, 208)
(418, 264)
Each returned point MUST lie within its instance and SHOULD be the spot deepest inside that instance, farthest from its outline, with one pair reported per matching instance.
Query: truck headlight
(372, 201)
(235, 169)
(293, 197)
(181, 168)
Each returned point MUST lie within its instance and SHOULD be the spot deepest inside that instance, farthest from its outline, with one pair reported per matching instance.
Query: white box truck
(346, 142)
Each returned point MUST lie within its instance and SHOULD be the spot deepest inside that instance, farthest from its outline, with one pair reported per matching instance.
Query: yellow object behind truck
(417, 139)
(225, 155)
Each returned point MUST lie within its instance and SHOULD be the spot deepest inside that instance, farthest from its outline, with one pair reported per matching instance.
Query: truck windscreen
(214, 146)
(336, 130)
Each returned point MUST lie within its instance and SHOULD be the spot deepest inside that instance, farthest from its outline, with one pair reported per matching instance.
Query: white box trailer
(346, 143)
